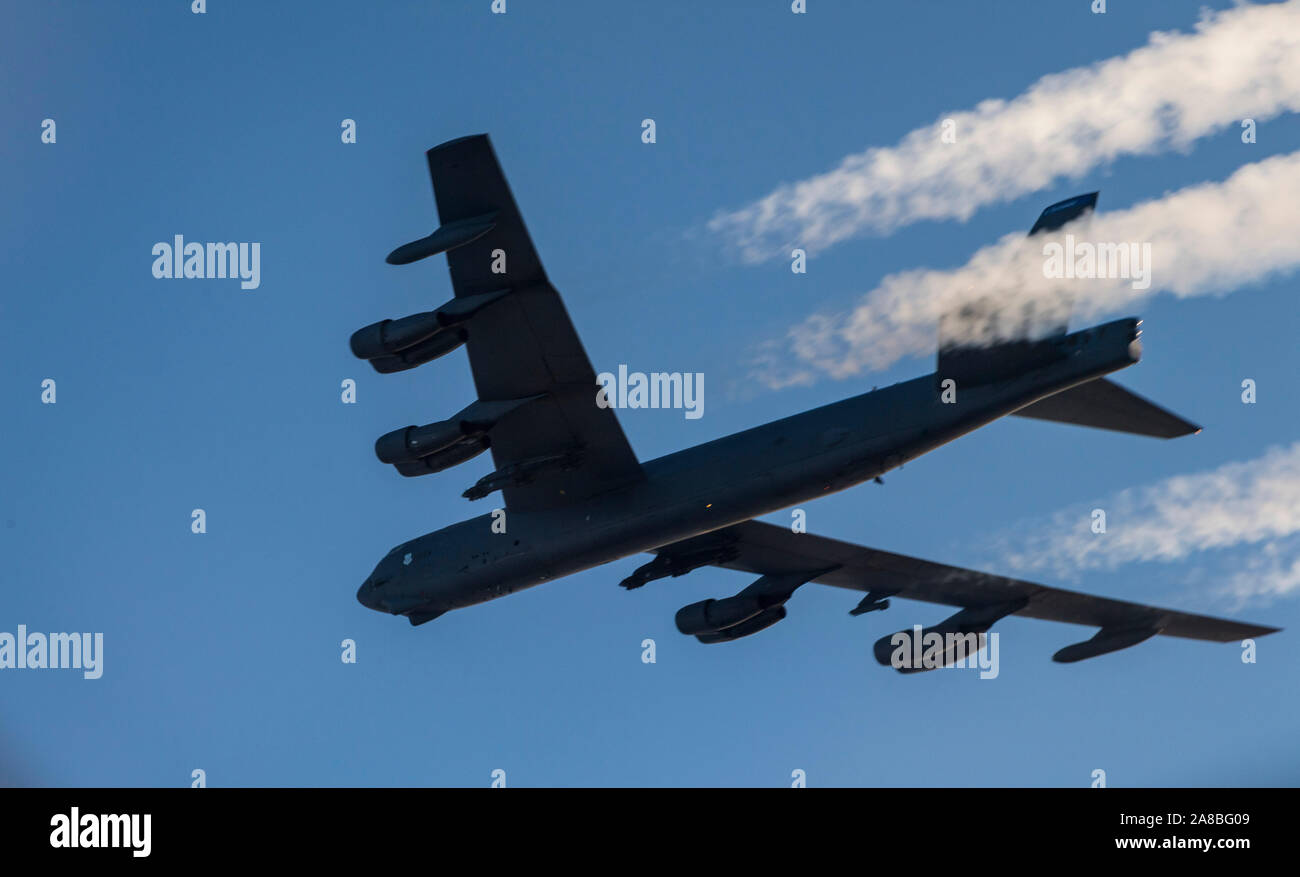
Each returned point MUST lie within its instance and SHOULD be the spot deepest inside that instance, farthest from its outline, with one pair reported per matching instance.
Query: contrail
(1206, 239)
(1253, 503)
(1237, 64)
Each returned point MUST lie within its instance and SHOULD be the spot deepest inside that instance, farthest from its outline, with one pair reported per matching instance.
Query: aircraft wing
(768, 550)
(563, 446)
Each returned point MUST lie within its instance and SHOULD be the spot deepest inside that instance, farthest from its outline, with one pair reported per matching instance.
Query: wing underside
(768, 550)
(561, 447)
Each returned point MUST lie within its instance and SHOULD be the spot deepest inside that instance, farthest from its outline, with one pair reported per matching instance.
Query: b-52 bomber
(576, 496)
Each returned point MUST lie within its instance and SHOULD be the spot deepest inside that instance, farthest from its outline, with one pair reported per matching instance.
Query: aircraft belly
(737, 479)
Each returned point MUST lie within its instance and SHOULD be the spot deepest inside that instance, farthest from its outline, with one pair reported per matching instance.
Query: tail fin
(973, 363)
(1106, 405)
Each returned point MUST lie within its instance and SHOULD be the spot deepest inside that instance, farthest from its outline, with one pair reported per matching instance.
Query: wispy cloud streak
(1252, 505)
(1207, 239)
(1179, 87)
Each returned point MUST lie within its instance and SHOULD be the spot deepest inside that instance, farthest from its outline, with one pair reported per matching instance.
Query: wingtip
(456, 140)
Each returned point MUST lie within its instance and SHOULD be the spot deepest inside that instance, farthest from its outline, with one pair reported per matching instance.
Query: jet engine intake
(396, 345)
(426, 351)
(413, 442)
(762, 621)
(756, 608)
(408, 445)
(958, 637)
(390, 336)
(710, 616)
(446, 458)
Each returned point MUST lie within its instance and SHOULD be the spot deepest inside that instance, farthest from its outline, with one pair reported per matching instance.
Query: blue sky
(222, 649)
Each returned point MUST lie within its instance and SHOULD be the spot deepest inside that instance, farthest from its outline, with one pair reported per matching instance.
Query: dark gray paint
(695, 507)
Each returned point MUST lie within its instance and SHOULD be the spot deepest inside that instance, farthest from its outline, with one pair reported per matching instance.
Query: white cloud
(1253, 505)
(1207, 239)
(1179, 87)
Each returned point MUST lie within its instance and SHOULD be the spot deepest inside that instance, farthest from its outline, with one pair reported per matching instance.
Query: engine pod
(413, 442)
(438, 345)
(762, 621)
(388, 337)
(444, 459)
(711, 616)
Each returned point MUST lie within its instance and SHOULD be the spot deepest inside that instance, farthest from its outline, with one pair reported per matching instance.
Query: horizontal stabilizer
(1106, 405)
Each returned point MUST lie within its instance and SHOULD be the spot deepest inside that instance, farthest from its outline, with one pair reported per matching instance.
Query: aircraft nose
(371, 594)
(366, 593)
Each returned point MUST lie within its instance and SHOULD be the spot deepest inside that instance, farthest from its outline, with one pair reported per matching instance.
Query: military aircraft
(576, 497)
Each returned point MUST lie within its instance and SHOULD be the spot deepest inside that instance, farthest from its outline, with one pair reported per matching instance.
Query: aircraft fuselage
(725, 481)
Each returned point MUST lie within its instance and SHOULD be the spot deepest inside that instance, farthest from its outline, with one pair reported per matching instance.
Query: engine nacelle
(756, 608)
(929, 648)
(419, 450)
(761, 621)
(396, 345)
(711, 616)
(446, 458)
(426, 351)
(387, 337)
(959, 637)
(414, 442)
